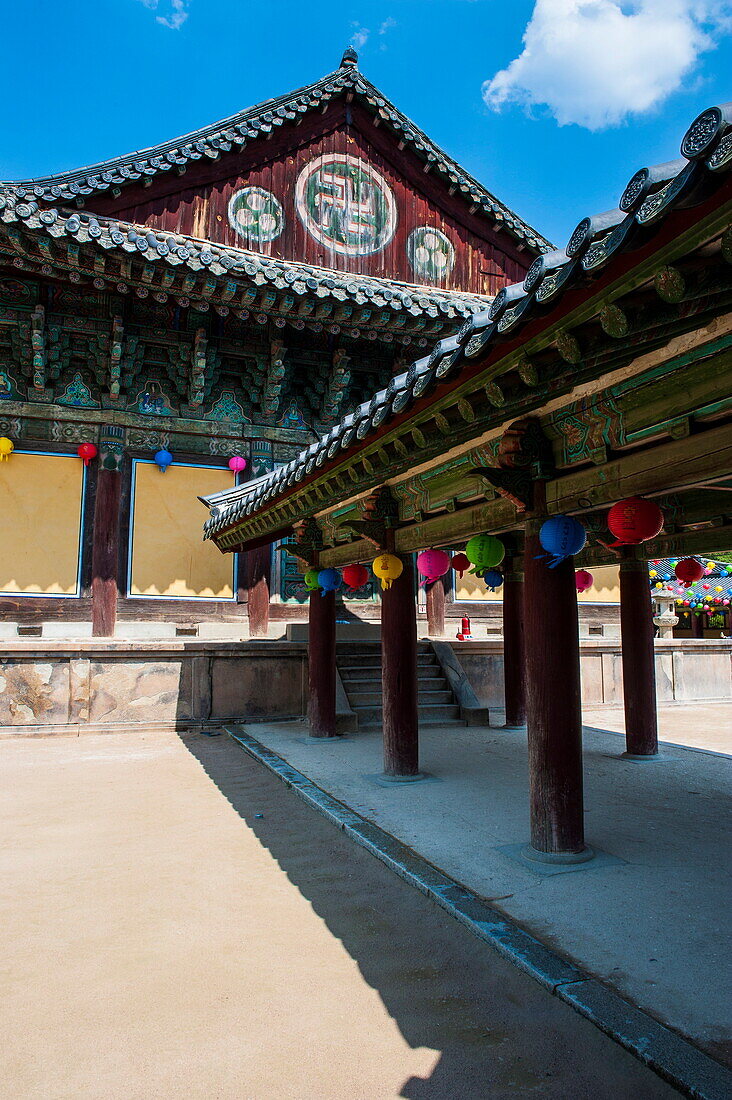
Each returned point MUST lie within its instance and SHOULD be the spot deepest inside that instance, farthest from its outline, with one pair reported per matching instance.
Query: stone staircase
(359, 665)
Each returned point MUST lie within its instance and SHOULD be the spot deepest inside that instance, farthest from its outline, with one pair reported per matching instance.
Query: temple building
(228, 295)
(583, 419)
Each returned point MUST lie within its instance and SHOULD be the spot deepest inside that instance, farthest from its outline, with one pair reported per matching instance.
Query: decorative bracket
(115, 357)
(275, 378)
(308, 543)
(380, 519)
(38, 344)
(198, 369)
(524, 456)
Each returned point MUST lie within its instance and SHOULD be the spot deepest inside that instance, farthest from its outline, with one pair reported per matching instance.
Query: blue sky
(554, 125)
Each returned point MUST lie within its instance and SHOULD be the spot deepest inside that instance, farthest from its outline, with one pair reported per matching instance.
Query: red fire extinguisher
(464, 632)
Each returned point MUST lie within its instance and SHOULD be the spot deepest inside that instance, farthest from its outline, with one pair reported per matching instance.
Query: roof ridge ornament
(349, 59)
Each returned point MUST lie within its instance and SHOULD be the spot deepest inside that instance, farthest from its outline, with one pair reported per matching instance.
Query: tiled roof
(235, 132)
(231, 267)
(651, 194)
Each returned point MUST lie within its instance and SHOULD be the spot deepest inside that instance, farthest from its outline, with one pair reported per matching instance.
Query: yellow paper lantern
(718, 588)
(653, 573)
(387, 567)
(659, 584)
(6, 448)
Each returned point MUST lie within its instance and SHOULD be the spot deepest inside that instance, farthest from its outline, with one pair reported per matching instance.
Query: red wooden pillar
(322, 664)
(513, 645)
(553, 707)
(639, 672)
(435, 598)
(105, 552)
(258, 571)
(399, 675)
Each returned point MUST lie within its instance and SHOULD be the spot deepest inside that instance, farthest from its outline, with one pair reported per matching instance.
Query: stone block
(265, 687)
(141, 692)
(591, 678)
(34, 692)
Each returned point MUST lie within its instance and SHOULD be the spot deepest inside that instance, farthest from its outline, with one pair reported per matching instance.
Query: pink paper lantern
(433, 564)
(583, 580)
(237, 464)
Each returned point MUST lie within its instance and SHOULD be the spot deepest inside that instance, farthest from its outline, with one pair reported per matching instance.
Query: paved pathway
(161, 940)
(651, 917)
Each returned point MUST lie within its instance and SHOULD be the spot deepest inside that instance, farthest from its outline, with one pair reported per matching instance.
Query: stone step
(361, 677)
(360, 699)
(428, 715)
(373, 660)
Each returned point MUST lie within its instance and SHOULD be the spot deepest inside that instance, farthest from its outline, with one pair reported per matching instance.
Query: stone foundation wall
(84, 686)
(98, 688)
(687, 670)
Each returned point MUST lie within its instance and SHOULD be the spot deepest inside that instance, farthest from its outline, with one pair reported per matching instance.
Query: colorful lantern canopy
(460, 562)
(388, 568)
(583, 580)
(561, 536)
(493, 579)
(311, 580)
(6, 448)
(329, 580)
(484, 552)
(86, 452)
(355, 576)
(433, 564)
(634, 521)
(163, 458)
(689, 571)
(237, 464)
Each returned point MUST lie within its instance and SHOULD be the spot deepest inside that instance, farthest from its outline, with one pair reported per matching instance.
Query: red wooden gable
(338, 190)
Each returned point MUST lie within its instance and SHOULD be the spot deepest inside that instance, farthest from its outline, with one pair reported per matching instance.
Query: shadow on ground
(497, 1032)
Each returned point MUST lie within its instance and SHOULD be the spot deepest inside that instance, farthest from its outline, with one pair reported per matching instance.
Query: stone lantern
(664, 612)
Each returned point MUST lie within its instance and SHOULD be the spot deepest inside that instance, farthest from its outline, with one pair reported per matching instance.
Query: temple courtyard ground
(177, 922)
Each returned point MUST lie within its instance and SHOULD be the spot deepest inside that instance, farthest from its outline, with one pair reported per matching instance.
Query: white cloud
(594, 62)
(387, 25)
(360, 36)
(177, 16)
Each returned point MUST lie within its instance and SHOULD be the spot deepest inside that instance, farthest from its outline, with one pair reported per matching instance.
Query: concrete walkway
(176, 923)
(649, 916)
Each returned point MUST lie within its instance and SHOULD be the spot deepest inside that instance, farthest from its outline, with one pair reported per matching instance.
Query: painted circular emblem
(256, 215)
(430, 253)
(346, 204)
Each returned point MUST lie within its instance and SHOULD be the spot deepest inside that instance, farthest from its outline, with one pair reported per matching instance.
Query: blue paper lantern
(493, 579)
(163, 459)
(562, 536)
(329, 580)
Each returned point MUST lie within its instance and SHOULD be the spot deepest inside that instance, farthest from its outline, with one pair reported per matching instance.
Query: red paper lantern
(583, 580)
(237, 464)
(705, 587)
(355, 576)
(634, 520)
(689, 571)
(460, 562)
(87, 451)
